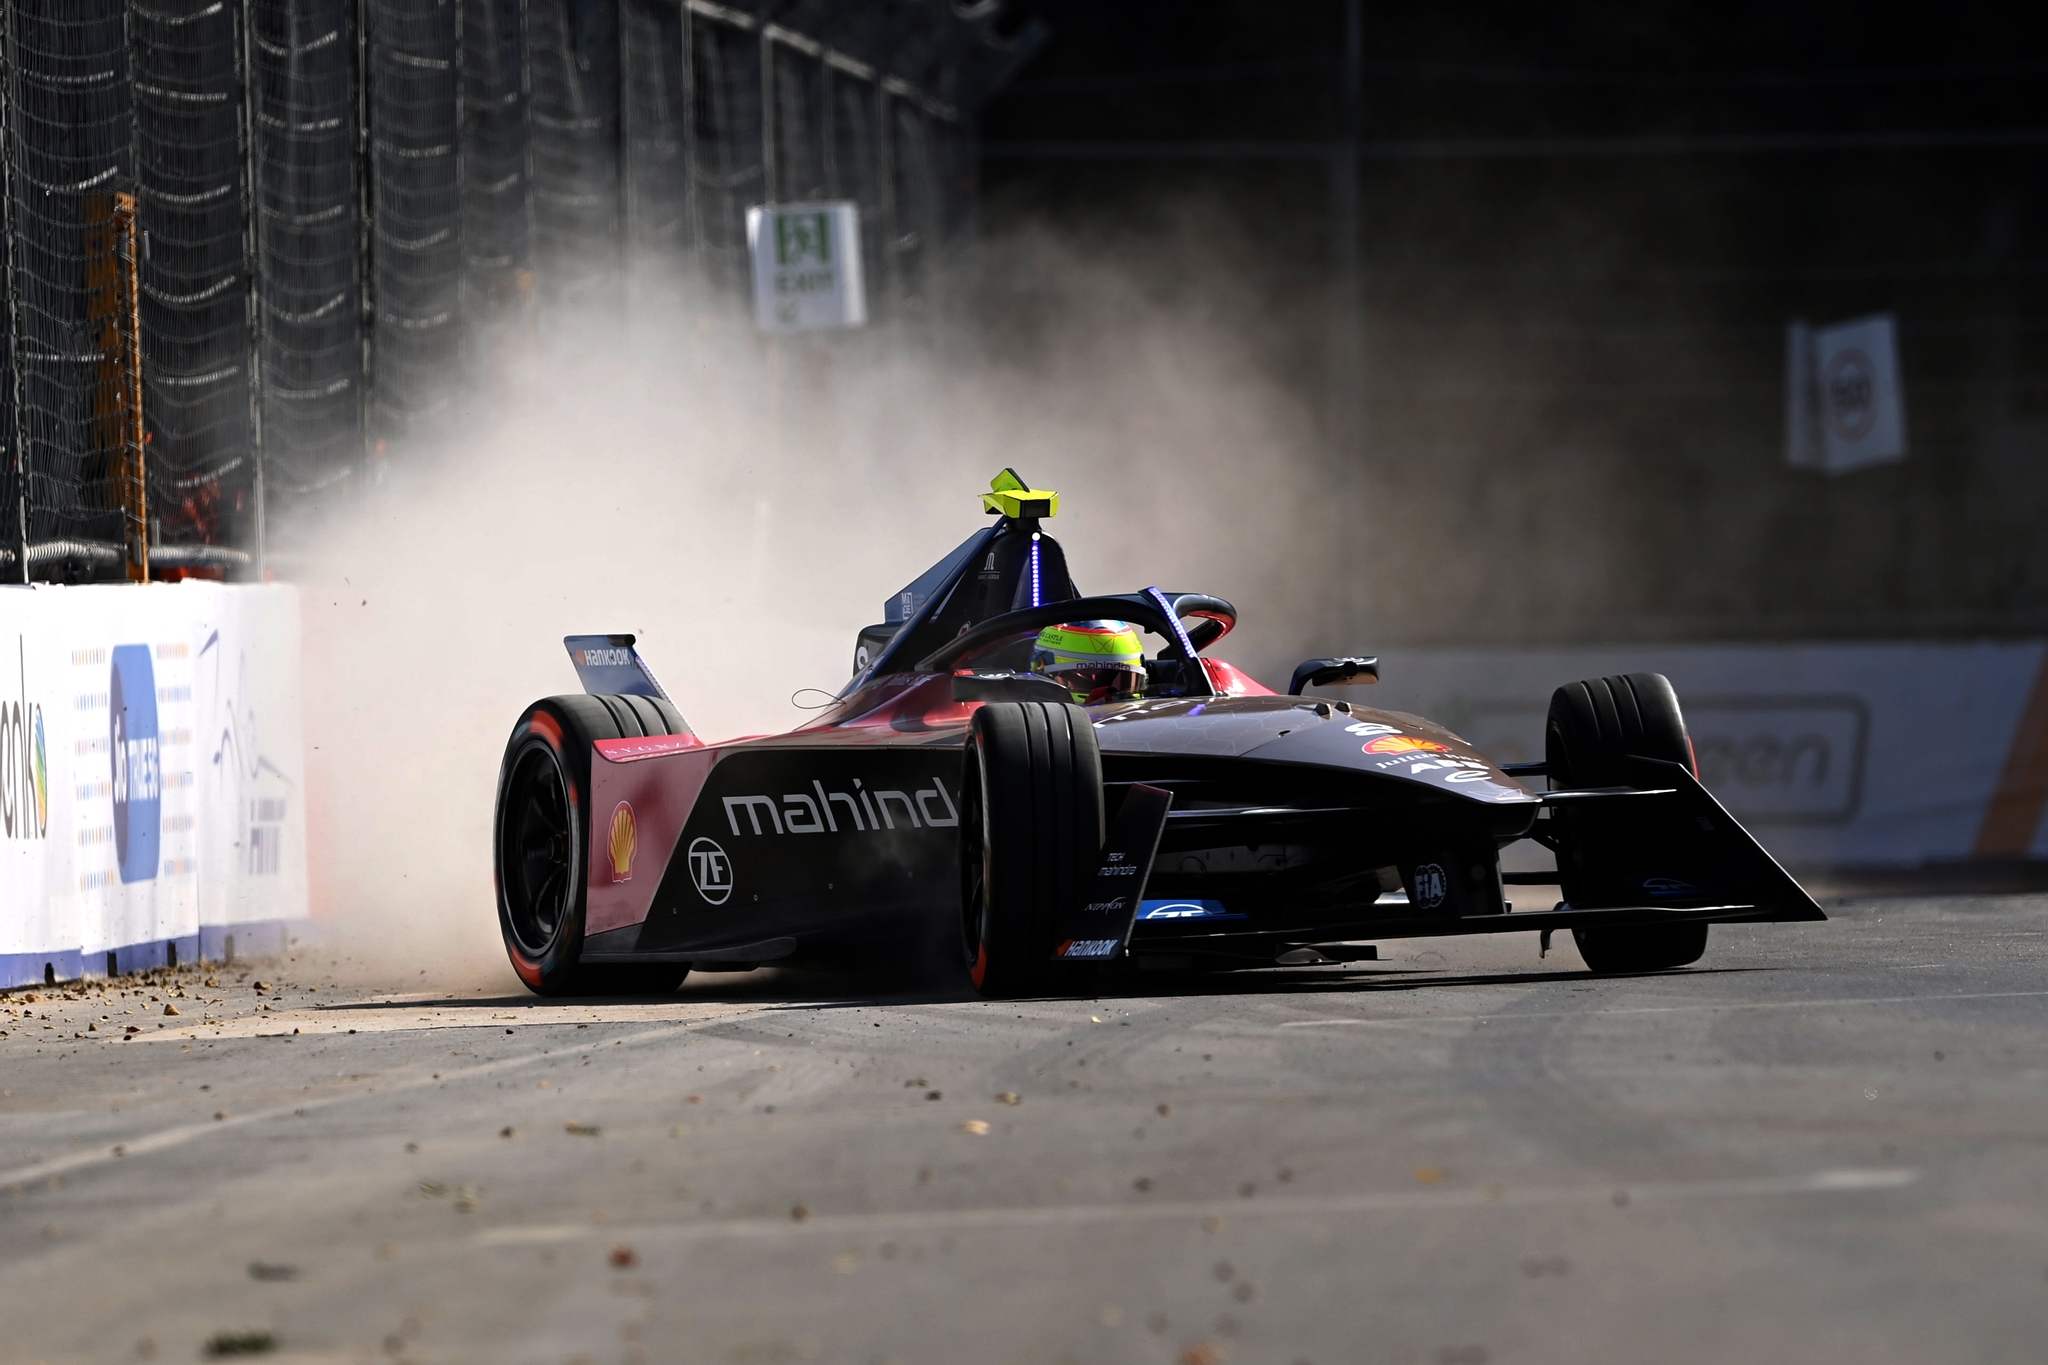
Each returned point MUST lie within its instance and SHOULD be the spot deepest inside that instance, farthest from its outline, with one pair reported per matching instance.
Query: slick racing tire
(542, 843)
(1030, 828)
(1636, 949)
(1597, 725)
(1594, 728)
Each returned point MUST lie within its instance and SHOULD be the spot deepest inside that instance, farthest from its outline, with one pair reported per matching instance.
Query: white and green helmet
(1097, 661)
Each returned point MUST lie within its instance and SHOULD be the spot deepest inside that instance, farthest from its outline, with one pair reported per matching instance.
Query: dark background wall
(1571, 379)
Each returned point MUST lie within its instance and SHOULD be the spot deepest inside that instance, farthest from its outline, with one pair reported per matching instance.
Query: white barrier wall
(1837, 755)
(152, 775)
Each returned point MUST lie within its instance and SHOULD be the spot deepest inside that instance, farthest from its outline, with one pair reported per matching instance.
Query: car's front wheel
(1031, 828)
(1633, 948)
(1593, 729)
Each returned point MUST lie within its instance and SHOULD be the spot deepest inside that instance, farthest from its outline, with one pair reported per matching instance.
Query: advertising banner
(1845, 408)
(1834, 755)
(151, 776)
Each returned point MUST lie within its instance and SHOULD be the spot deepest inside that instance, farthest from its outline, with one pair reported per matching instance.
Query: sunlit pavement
(1826, 1143)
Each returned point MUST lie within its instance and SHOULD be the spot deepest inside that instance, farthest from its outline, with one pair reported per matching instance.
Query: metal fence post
(15, 435)
(693, 222)
(366, 243)
(770, 190)
(622, 92)
(252, 256)
(1345, 408)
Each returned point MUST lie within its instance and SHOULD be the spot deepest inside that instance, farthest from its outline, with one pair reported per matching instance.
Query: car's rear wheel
(1593, 729)
(1031, 827)
(543, 843)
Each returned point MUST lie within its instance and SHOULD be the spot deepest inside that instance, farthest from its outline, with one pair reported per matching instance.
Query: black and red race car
(953, 795)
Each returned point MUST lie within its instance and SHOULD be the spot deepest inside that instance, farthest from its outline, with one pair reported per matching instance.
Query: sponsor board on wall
(1844, 402)
(1833, 754)
(151, 772)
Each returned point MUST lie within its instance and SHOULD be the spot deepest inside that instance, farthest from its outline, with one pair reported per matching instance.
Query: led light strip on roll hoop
(1180, 632)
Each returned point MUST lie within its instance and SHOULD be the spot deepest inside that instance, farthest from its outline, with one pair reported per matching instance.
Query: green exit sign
(807, 266)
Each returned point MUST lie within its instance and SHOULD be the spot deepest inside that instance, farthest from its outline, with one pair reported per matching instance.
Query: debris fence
(251, 243)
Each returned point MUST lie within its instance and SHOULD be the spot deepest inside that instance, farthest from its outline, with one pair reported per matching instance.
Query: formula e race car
(1038, 824)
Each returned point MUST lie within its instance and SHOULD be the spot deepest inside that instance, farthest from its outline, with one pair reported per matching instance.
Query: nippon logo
(868, 810)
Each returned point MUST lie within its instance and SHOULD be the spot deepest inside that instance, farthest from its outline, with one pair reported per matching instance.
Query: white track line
(1658, 1009)
(1073, 1215)
(12, 1181)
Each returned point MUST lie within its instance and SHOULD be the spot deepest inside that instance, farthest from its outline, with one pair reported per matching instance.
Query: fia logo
(1430, 885)
(711, 870)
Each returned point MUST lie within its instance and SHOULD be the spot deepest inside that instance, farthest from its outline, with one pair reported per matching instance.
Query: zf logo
(1430, 885)
(711, 870)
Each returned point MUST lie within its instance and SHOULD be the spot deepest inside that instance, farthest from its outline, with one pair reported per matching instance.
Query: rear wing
(608, 665)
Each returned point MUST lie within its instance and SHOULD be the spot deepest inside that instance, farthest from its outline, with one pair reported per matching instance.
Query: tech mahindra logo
(24, 763)
(869, 810)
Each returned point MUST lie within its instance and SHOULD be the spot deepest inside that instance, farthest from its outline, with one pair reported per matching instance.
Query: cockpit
(1003, 605)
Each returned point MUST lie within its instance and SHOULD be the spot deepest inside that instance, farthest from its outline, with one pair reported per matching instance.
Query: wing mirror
(1333, 673)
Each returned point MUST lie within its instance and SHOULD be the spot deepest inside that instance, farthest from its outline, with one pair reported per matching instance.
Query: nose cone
(1397, 745)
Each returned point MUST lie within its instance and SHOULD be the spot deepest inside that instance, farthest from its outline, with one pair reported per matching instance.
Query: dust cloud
(744, 509)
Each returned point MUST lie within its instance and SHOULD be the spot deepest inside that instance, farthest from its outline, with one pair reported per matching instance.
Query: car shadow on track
(1186, 985)
(1363, 983)
(824, 987)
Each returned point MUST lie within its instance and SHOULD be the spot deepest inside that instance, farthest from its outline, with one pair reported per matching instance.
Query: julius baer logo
(24, 760)
(864, 810)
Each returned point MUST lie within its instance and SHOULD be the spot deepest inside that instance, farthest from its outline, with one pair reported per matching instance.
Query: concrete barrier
(1882, 755)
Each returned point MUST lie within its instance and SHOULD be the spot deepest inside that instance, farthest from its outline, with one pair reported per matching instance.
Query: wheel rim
(539, 852)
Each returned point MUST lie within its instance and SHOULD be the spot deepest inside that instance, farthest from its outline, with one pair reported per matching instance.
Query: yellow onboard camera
(1008, 497)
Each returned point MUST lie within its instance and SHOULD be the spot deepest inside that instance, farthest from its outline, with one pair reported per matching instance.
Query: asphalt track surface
(1826, 1143)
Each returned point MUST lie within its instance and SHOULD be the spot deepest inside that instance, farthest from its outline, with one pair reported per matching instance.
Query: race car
(1046, 784)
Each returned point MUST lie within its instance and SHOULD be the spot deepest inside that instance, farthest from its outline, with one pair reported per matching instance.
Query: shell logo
(1403, 744)
(624, 839)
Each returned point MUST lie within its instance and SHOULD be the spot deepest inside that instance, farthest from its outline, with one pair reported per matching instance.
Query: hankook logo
(711, 870)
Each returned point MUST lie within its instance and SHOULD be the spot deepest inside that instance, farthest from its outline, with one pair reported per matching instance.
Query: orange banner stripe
(2022, 793)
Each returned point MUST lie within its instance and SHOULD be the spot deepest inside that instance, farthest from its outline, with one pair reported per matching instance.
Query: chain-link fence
(70, 228)
(252, 245)
(306, 203)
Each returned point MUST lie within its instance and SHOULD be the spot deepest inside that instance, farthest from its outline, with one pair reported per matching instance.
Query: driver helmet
(1097, 661)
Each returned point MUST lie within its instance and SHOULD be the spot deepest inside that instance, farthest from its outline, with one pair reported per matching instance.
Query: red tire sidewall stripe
(544, 726)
